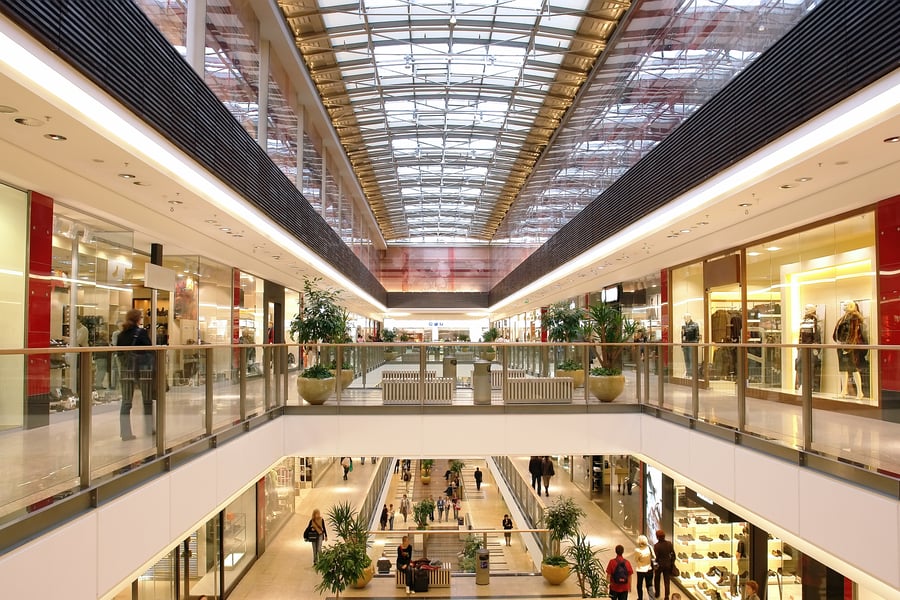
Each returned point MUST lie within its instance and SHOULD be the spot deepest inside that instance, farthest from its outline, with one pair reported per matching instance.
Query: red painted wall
(40, 266)
(887, 246)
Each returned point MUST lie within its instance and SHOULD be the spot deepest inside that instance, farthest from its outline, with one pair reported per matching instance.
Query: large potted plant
(564, 324)
(587, 567)
(610, 330)
(561, 519)
(345, 373)
(426, 465)
(346, 562)
(319, 320)
(388, 336)
(422, 511)
(490, 336)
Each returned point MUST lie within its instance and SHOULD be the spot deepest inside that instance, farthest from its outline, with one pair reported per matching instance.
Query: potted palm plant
(346, 562)
(388, 336)
(426, 465)
(422, 511)
(345, 373)
(609, 328)
(564, 324)
(456, 466)
(490, 336)
(319, 320)
(587, 567)
(561, 519)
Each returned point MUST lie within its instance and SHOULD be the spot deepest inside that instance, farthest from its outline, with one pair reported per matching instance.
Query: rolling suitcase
(420, 580)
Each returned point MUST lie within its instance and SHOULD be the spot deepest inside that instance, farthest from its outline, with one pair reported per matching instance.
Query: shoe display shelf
(705, 553)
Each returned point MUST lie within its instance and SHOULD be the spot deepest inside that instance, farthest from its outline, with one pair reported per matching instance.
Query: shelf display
(234, 538)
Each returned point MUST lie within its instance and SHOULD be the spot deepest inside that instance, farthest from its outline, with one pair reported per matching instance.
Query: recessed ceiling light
(892, 140)
(773, 248)
(141, 183)
(685, 231)
(225, 229)
(754, 253)
(175, 202)
(702, 223)
(744, 204)
(29, 122)
(786, 186)
(803, 179)
(237, 235)
(6, 110)
(841, 163)
(127, 175)
(55, 137)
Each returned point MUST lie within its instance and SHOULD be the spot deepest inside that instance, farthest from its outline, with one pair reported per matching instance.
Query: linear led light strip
(849, 117)
(33, 66)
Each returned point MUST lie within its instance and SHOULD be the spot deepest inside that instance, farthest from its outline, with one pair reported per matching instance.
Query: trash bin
(450, 367)
(481, 382)
(482, 567)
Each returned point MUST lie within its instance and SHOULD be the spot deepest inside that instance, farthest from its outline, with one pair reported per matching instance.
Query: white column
(262, 125)
(195, 36)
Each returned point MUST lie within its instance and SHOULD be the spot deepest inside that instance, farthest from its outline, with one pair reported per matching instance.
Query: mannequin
(810, 334)
(849, 332)
(690, 334)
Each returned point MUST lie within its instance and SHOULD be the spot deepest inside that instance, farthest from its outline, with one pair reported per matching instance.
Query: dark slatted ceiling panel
(836, 50)
(458, 300)
(117, 47)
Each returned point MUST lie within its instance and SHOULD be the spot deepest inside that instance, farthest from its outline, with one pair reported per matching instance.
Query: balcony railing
(782, 399)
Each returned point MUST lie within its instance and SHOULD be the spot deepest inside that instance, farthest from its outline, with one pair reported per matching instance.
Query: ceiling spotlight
(237, 235)
(29, 122)
(225, 229)
(685, 231)
(141, 183)
(6, 110)
(453, 19)
(211, 221)
(55, 137)
(892, 139)
(175, 202)
(773, 248)
(744, 204)
(754, 253)
(702, 223)
(127, 176)
(803, 179)
(841, 163)
(786, 186)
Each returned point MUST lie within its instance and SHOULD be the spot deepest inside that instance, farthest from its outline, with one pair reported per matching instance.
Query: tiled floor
(285, 570)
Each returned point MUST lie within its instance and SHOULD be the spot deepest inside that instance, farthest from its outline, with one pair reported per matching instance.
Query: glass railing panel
(222, 372)
(123, 429)
(251, 363)
(185, 397)
(38, 472)
(678, 389)
(717, 395)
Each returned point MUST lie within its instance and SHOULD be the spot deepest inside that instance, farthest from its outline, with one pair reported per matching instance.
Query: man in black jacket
(534, 467)
(665, 559)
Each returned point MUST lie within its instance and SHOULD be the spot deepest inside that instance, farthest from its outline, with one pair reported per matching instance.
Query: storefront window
(250, 320)
(13, 238)
(281, 491)
(239, 536)
(687, 317)
(799, 288)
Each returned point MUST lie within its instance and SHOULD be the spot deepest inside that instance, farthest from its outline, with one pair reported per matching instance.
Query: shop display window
(710, 548)
(281, 491)
(13, 240)
(687, 317)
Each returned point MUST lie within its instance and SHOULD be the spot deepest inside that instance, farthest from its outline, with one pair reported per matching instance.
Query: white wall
(13, 282)
(854, 531)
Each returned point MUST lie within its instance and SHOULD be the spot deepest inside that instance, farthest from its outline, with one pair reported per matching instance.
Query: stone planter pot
(555, 575)
(425, 477)
(606, 388)
(389, 355)
(315, 391)
(577, 375)
(347, 377)
(489, 355)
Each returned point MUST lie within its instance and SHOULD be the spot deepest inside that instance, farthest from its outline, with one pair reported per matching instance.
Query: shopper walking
(478, 476)
(643, 566)
(665, 560)
(384, 518)
(347, 464)
(404, 561)
(619, 572)
(134, 367)
(547, 472)
(507, 525)
(391, 514)
(440, 508)
(404, 507)
(315, 533)
(534, 467)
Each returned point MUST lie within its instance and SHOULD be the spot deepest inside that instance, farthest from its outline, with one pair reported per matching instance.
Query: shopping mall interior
(650, 246)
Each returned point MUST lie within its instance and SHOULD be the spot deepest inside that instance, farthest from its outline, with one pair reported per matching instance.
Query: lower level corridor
(285, 570)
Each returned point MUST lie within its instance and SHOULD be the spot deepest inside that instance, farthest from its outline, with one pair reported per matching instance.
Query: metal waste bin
(450, 367)
(482, 567)
(481, 382)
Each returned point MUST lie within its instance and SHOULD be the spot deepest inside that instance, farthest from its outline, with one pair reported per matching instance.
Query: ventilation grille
(836, 50)
(123, 52)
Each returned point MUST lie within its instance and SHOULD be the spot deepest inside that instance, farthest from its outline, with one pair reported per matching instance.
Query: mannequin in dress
(849, 332)
(690, 334)
(809, 334)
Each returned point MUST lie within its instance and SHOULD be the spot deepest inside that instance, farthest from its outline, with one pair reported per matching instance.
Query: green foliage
(562, 322)
(587, 567)
(456, 466)
(610, 327)
(568, 365)
(555, 560)
(403, 336)
(604, 372)
(426, 464)
(491, 335)
(389, 335)
(562, 518)
(345, 364)
(344, 562)
(320, 318)
(317, 371)
(422, 510)
(462, 337)
(467, 556)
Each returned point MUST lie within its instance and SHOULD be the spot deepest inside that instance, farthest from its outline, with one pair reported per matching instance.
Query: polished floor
(285, 570)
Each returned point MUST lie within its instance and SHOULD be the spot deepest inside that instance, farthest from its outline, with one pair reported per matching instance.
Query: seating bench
(438, 578)
(539, 390)
(438, 391)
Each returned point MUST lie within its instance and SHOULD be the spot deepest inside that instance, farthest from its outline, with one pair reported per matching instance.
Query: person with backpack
(619, 572)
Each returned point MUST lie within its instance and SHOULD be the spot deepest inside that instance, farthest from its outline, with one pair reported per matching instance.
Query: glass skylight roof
(447, 108)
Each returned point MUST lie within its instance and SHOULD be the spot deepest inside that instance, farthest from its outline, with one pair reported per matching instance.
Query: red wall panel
(887, 223)
(40, 266)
